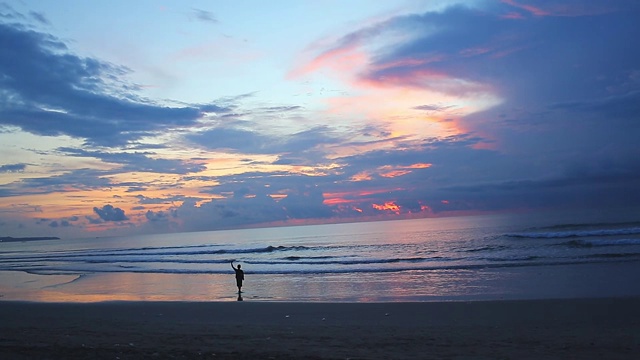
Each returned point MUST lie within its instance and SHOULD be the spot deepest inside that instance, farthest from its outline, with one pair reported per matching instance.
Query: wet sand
(605, 328)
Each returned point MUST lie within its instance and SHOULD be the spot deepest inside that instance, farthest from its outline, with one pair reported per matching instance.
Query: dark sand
(538, 329)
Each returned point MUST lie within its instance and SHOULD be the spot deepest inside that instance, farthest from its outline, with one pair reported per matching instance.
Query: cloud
(12, 168)
(564, 8)
(86, 179)
(565, 75)
(39, 17)
(307, 203)
(559, 127)
(159, 216)
(51, 88)
(93, 221)
(110, 213)
(229, 213)
(141, 162)
(434, 107)
(61, 223)
(203, 15)
(254, 142)
(475, 50)
(164, 200)
(620, 106)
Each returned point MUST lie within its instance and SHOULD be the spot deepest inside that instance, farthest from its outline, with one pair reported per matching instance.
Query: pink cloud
(513, 16)
(530, 8)
(342, 60)
(579, 8)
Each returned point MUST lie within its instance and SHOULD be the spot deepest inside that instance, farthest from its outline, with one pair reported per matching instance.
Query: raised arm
(233, 267)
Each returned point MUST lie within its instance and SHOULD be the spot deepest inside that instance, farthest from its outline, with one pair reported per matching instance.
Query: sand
(606, 328)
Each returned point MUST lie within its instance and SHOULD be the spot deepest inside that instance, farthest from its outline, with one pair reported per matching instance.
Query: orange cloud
(387, 206)
(349, 197)
(337, 198)
(420, 166)
(389, 171)
(395, 173)
(361, 176)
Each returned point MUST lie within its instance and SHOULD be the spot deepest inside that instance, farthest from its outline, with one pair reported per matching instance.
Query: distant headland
(36, 238)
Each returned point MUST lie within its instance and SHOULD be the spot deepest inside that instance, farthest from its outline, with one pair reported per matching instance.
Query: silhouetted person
(239, 276)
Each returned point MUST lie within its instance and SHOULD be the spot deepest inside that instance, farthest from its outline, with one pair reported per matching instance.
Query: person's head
(239, 266)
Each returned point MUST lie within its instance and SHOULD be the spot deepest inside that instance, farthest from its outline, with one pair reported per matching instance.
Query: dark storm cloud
(110, 213)
(623, 106)
(567, 76)
(49, 91)
(583, 190)
(540, 56)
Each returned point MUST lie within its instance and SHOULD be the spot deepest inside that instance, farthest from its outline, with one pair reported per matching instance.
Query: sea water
(454, 258)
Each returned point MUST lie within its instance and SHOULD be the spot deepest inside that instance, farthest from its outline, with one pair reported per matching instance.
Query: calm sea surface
(457, 258)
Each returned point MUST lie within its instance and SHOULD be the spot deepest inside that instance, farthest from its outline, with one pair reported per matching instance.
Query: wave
(575, 233)
(601, 242)
(319, 271)
(323, 260)
(515, 258)
(488, 248)
(601, 225)
(342, 261)
(613, 256)
(136, 252)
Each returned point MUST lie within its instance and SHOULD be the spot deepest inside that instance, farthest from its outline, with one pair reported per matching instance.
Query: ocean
(483, 257)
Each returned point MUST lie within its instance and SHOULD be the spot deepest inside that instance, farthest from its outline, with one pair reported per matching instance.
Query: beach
(455, 288)
(603, 328)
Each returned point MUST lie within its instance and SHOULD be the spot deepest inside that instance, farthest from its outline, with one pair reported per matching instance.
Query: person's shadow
(240, 297)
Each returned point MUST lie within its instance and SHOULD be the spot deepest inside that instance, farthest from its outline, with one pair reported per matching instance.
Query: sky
(137, 117)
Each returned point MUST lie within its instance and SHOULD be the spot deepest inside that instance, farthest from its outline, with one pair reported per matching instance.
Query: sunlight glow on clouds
(189, 117)
(378, 93)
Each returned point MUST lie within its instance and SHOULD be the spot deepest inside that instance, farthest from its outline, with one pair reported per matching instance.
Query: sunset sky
(132, 117)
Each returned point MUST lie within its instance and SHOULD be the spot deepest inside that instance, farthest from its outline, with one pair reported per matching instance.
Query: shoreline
(586, 328)
(590, 280)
